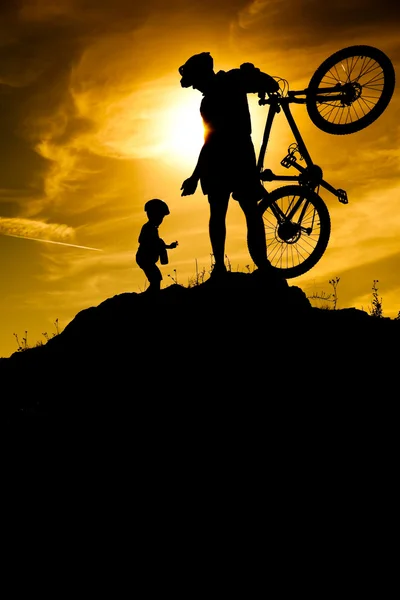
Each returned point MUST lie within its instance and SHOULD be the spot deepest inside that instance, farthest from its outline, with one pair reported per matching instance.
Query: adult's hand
(189, 186)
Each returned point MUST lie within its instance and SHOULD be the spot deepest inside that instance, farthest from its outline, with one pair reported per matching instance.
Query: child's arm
(172, 245)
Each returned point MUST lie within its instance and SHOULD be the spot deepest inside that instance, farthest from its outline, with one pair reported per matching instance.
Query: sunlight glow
(183, 131)
(142, 125)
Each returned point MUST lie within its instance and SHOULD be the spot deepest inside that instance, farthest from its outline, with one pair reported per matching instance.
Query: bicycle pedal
(288, 161)
(342, 196)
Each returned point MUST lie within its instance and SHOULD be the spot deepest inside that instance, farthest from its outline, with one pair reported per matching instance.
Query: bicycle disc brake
(352, 92)
(289, 232)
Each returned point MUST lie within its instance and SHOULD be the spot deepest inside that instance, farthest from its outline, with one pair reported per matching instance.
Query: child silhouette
(151, 247)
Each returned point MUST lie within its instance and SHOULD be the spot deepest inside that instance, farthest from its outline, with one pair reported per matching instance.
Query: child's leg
(154, 276)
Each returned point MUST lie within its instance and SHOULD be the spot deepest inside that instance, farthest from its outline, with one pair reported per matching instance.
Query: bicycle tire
(373, 77)
(296, 255)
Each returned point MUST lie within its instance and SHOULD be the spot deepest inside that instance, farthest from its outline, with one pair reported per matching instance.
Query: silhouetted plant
(46, 335)
(24, 344)
(334, 283)
(250, 269)
(330, 297)
(376, 310)
(212, 263)
(174, 279)
(199, 277)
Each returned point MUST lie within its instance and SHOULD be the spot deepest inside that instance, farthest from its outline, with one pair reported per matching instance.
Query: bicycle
(347, 92)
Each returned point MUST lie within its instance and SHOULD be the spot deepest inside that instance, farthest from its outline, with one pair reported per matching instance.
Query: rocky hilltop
(244, 340)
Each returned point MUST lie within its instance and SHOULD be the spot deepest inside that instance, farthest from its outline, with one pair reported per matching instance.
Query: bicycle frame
(359, 82)
(311, 175)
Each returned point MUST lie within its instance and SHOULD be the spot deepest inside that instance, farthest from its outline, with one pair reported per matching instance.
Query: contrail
(24, 237)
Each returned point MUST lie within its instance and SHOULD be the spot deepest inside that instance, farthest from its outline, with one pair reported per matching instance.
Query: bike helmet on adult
(156, 206)
(195, 65)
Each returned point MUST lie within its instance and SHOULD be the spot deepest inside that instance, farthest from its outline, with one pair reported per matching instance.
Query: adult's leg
(256, 241)
(217, 225)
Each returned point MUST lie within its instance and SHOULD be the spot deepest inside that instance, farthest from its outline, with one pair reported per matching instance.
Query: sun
(183, 130)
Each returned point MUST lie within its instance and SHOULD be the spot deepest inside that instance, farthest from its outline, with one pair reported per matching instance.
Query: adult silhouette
(227, 161)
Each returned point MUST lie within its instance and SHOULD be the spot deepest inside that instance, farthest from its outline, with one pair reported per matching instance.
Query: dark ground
(245, 357)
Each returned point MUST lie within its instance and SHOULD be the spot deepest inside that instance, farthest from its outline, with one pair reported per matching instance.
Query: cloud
(36, 229)
(84, 79)
(286, 37)
(44, 138)
(40, 232)
(89, 86)
(309, 22)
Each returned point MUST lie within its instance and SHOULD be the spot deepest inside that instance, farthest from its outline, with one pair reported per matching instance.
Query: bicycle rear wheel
(370, 76)
(297, 228)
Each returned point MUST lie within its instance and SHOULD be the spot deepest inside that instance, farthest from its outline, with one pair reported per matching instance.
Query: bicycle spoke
(328, 109)
(338, 78)
(351, 69)
(330, 80)
(289, 253)
(368, 70)
(363, 72)
(369, 106)
(350, 89)
(377, 76)
(353, 108)
(297, 229)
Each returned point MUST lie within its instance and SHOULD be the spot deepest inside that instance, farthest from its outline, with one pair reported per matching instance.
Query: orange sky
(94, 123)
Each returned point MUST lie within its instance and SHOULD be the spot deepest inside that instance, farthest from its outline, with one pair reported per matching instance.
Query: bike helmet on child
(156, 206)
(195, 65)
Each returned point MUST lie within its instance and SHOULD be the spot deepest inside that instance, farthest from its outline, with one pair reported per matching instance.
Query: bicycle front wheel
(369, 77)
(297, 228)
